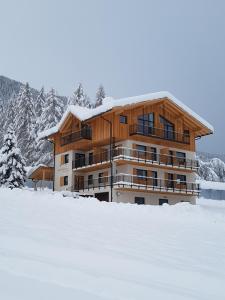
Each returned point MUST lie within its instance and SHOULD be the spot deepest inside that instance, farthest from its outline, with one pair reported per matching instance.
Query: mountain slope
(8, 87)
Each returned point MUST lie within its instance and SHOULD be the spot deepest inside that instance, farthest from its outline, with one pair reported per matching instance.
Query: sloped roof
(83, 113)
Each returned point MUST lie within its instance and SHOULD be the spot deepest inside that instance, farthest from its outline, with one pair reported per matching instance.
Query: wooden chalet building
(138, 150)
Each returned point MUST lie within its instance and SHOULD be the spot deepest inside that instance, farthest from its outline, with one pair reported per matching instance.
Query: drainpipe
(53, 184)
(111, 157)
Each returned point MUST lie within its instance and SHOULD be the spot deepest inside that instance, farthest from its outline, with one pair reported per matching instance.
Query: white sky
(131, 47)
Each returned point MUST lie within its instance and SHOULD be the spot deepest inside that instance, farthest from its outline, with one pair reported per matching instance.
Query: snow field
(53, 247)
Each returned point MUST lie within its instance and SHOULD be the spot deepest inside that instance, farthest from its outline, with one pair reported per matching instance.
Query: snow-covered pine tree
(25, 123)
(80, 98)
(51, 115)
(39, 103)
(100, 95)
(12, 164)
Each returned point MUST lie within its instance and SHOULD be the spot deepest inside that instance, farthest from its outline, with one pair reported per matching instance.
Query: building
(138, 150)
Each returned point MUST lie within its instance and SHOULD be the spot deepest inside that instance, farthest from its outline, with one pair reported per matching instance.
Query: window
(123, 119)
(79, 160)
(90, 179)
(154, 178)
(141, 151)
(181, 179)
(65, 180)
(162, 201)
(170, 181)
(168, 128)
(170, 157)
(100, 178)
(153, 153)
(146, 124)
(186, 136)
(90, 158)
(141, 174)
(181, 157)
(66, 158)
(139, 200)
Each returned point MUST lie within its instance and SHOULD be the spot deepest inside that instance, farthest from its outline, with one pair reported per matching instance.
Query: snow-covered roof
(33, 169)
(83, 113)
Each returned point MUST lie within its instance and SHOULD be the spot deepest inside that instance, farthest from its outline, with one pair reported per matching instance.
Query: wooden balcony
(84, 133)
(136, 129)
(146, 184)
(134, 156)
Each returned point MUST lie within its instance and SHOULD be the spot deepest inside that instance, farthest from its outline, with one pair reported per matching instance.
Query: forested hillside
(27, 112)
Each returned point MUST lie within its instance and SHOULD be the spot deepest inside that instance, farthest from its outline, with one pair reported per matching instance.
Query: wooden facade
(100, 128)
(169, 128)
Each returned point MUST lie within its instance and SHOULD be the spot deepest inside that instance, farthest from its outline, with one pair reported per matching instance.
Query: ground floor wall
(121, 196)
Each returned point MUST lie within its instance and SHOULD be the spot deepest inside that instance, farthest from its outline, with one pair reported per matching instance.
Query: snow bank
(55, 247)
(83, 113)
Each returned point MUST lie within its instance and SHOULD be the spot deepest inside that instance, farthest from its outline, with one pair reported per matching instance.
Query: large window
(141, 151)
(181, 157)
(146, 124)
(168, 128)
(141, 174)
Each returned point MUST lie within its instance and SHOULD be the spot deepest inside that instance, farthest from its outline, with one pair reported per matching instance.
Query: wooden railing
(159, 133)
(84, 133)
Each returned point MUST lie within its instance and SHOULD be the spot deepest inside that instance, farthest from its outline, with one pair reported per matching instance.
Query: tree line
(21, 121)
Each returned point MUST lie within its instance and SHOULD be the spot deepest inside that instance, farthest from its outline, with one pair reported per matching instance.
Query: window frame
(65, 180)
(90, 179)
(100, 177)
(140, 176)
(123, 119)
(183, 182)
(66, 158)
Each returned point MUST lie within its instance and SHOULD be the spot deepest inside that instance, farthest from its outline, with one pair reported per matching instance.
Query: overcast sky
(131, 47)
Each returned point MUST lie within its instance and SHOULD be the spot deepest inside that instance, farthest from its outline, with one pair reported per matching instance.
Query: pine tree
(51, 115)
(80, 98)
(40, 102)
(25, 123)
(100, 95)
(12, 164)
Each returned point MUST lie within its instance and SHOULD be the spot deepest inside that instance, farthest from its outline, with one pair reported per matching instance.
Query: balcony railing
(97, 158)
(84, 133)
(128, 181)
(153, 158)
(149, 158)
(159, 133)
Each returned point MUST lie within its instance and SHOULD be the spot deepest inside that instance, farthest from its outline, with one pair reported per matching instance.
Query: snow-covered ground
(63, 248)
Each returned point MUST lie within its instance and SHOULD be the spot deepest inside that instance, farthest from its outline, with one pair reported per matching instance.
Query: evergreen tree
(40, 102)
(51, 115)
(12, 164)
(25, 123)
(80, 98)
(100, 95)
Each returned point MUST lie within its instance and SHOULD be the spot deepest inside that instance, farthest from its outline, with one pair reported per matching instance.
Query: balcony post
(111, 157)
